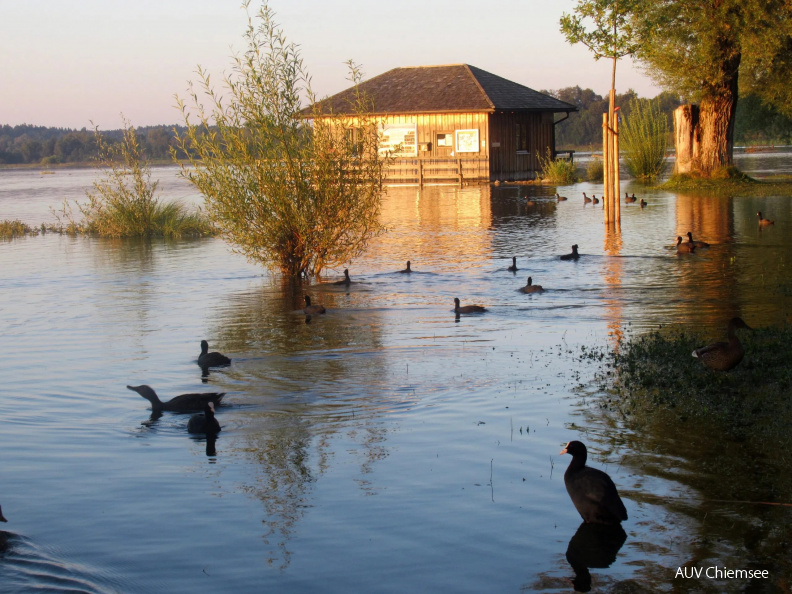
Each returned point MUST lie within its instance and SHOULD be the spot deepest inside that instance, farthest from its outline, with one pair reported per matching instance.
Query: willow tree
(290, 191)
(711, 50)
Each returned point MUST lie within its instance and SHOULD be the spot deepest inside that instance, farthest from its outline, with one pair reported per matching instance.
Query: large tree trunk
(704, 134)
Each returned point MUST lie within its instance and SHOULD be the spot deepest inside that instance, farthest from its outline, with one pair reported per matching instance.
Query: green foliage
(123, 202)
(595, 170)
(655, 374)
(643, 139)
(759, 123)
(557, 171)
(292, 190)
(612, 33)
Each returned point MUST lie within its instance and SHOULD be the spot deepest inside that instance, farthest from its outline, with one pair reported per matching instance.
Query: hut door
(444, 144)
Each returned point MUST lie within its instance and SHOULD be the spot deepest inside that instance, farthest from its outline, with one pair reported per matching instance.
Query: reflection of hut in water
(455, 123)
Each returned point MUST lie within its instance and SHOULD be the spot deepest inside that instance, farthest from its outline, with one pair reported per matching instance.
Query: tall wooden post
(610, 162)
(616, 184)
(606, 199)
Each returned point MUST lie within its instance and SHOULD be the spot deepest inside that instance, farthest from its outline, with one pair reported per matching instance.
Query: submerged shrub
(10, 229)
(123, 202)
(557, 171)
(643, 139)
(595, 170)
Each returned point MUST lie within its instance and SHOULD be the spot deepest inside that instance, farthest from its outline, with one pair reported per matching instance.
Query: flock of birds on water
(592, 491)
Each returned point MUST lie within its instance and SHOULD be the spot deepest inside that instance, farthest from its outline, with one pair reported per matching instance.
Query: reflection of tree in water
(299, 389)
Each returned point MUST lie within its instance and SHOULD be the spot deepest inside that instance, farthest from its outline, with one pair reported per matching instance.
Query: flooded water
(387, 446)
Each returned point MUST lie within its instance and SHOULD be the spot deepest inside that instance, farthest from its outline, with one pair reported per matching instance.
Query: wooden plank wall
(505, 161)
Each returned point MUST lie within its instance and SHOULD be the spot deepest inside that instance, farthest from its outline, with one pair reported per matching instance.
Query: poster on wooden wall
(467, 141)
(399, 139)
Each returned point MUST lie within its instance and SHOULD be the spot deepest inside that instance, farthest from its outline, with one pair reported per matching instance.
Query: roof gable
(437, 89)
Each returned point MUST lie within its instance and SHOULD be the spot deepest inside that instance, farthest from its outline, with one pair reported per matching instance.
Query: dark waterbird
(643, 203)
(591, 490)
(764, 222)
(310, 310)
(586, 198)
(467, 308)
(346, 280)
(2, 517)
(530, 287)
(204, 422)
(560, 198)
(698, 244)
(513, 267)
(182, 403)
(723, 356)
(214, 359)
(629, 199)
(594, 199)
(573, 256)
(684, 248)
(406, 270)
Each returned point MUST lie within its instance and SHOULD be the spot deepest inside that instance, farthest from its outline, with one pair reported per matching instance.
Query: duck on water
(214, 359)
(182, 403)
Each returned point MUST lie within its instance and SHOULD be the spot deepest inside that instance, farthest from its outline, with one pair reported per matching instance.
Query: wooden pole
(617, 186)
(605, 169)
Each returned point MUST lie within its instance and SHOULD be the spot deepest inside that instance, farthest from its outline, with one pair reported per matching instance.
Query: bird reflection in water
(594, 546)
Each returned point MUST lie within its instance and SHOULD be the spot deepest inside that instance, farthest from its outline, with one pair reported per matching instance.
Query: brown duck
(560, 198)
(586, 198)
(530, 287)
(183, 403)
(573, 256)
(213, 359)
(312, 309)
(346, 280)
(407, 270)
(764, 222)
(628, 199)
(723, 356)
(684, 248)
(467, 308)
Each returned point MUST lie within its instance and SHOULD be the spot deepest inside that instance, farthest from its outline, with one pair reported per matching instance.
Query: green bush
(10, 229)
(644, 137)
(595, 170)
(557, 171)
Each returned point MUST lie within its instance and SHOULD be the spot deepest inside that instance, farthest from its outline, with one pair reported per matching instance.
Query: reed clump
(556, 170)
(123, 202)
(655, 375)
(644, 139)
(16, 228)
(595, 170)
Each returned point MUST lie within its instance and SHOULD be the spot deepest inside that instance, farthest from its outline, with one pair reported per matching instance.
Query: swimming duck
(204, 422)
(764, 222)
(513, 267)
(573, 256)
(643, 203)
(408, 269)
(698, 244)
(346, 280)
(467, 308)
(591, 490)
(629, 199)
(594, 199)
(312, 309)
(214, 359)
(586, 198)
(684, 248)
(560, 198)
(182, 403)
(723, 356)
(530, 287)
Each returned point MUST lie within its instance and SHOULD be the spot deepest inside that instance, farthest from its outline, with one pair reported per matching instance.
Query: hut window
(445, 139)
(354, 138)
(521, 138)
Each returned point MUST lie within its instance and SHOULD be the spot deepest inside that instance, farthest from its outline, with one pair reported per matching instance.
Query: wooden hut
(456, 123)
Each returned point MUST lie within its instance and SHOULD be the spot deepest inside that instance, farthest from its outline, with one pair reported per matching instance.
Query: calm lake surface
(386, 446)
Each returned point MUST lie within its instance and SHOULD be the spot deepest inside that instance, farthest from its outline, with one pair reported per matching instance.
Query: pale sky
(65, 64)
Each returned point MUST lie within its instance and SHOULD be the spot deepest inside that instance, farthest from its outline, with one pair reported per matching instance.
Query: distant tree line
(27, 144)
(755, 122)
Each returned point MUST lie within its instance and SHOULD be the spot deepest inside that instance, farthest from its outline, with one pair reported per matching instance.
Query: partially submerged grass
(730, 182)
(10, 229)
(557, 171)
(656, 375)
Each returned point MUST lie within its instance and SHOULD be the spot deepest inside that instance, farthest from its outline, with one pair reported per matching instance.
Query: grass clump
(123, 202)
(656, 374)
(10, 229)
(644, 137)
(595, 170)
(557, 171)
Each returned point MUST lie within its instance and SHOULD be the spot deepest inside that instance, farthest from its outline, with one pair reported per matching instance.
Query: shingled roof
(439, 89)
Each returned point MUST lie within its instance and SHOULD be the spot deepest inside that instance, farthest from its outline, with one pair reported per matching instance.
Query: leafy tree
(707, 49)
(291, 192)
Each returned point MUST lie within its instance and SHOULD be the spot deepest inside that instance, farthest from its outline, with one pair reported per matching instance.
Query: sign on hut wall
(399, 139)
(467, 141)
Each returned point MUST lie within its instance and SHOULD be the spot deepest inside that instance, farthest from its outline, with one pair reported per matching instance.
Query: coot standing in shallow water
(214, 359)
(591, 490)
